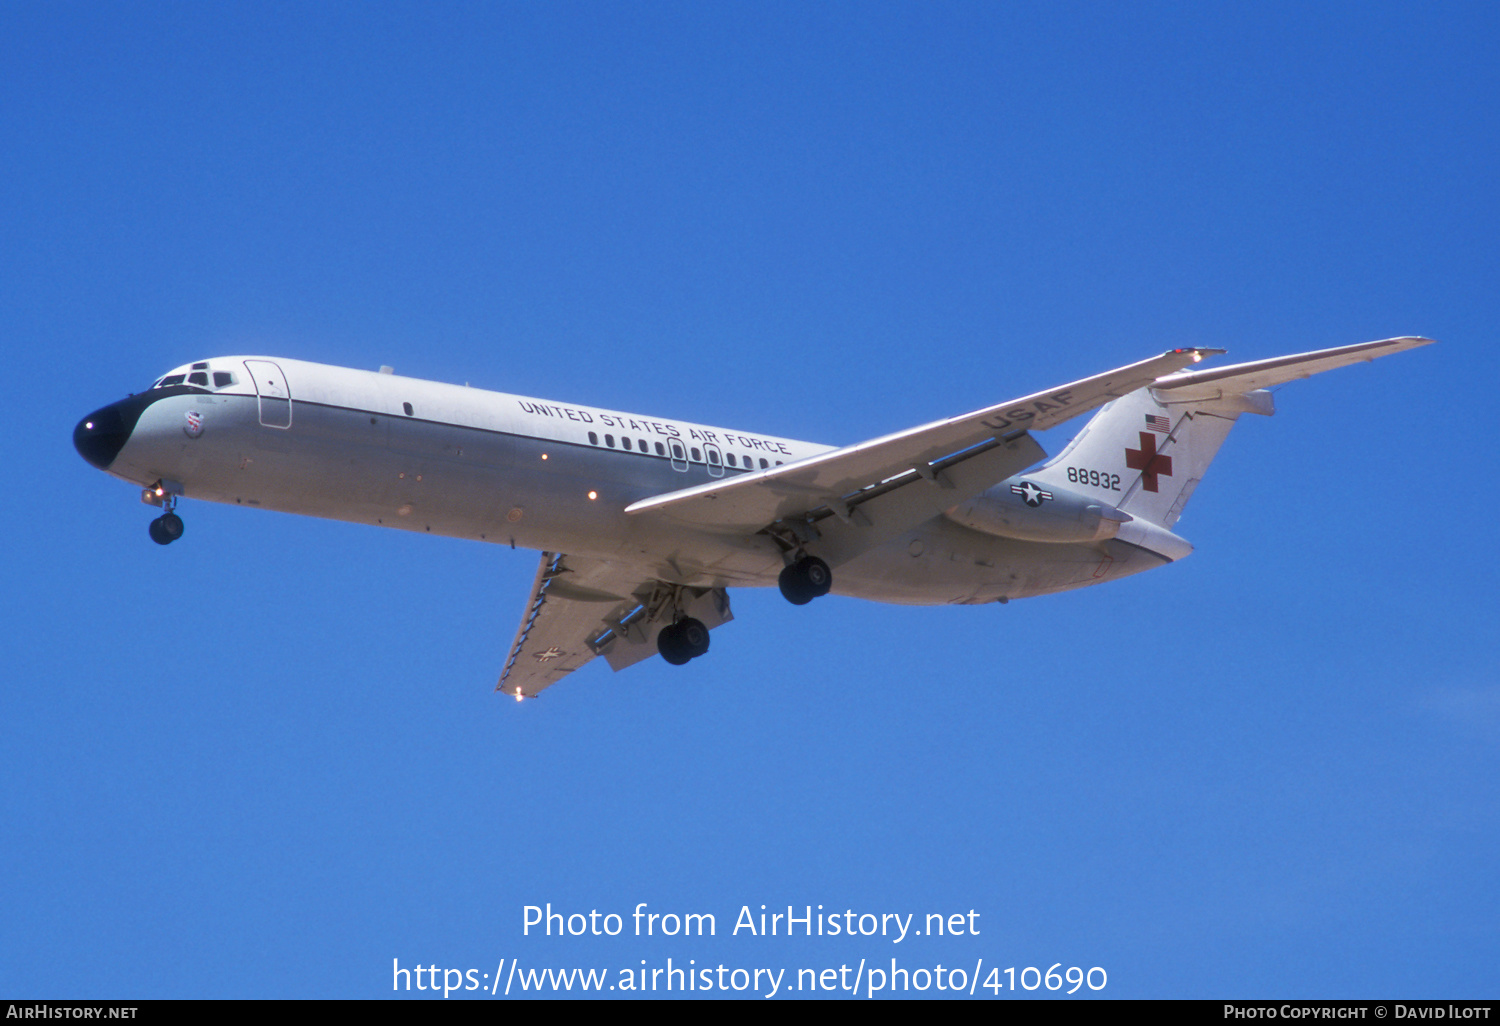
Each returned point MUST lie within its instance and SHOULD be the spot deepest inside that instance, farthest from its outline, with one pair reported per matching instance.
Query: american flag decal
(1162, 424)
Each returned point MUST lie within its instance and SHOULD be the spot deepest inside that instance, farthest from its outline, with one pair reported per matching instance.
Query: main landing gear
(683, 640)
(804, 580)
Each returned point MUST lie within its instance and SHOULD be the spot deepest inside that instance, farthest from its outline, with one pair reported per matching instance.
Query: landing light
(518, 694)
(544, 455)
(593, 496)
(1197, 357)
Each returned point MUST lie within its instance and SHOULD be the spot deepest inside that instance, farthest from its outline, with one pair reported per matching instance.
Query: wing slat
(569, 597)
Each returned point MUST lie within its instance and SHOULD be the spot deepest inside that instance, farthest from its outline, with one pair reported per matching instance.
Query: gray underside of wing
(579, 608)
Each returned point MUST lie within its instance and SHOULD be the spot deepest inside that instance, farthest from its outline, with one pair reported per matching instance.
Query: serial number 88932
(1078, 475)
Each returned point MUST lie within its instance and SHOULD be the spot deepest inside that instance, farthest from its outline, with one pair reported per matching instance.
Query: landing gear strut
(806, 579)
(686, 639)
(166, 528)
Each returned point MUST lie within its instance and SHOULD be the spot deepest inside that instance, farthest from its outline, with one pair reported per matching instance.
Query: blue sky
(266, 761)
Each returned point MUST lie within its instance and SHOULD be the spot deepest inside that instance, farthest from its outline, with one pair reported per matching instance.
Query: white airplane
(645, 522)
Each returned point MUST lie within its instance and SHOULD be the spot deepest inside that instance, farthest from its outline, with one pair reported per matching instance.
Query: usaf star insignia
(1033, 495)
(552, 653)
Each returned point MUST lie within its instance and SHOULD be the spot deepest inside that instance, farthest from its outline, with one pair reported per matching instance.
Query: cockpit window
(223, 379)
(198, 378)
(173, 379)
(200, 366)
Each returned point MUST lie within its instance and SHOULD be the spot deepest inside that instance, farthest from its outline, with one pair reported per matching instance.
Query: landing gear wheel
(693, 636)
(166, 529)
(681, 641)
(805, 580)
(669, 644)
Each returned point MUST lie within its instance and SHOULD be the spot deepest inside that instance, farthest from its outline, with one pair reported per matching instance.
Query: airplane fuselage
(391, 451)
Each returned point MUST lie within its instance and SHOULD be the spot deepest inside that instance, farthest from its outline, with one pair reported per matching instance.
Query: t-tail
(1130, 472)
(1144, 454)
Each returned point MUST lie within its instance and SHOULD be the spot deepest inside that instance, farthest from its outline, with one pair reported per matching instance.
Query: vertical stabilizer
(1145, 454)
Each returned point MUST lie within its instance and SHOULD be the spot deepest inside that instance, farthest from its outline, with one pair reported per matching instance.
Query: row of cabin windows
(694, 452)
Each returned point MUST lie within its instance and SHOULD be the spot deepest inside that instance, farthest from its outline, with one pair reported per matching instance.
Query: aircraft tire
(171, 525)
(166, 529)
(792, 587)
(669, 644)
(805, 580)
(692, 635)
(817, 575)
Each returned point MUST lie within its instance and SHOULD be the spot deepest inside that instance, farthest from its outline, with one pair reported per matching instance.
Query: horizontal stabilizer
(1146, 453)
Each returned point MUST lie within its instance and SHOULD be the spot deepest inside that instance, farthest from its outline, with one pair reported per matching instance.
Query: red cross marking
(1148, 461)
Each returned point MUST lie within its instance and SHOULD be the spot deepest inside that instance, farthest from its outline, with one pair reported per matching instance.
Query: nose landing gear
(167, 528)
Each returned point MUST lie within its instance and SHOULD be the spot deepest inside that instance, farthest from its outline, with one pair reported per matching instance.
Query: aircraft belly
(945, 563)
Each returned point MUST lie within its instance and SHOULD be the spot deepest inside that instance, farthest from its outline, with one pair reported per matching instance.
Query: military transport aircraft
(645, 523)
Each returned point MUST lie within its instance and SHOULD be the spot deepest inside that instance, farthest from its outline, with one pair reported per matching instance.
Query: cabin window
(593, 438)
(778, 463)
(713, 457)
(763, 463)
(697, 456)
(624, 442)
(660, 449)
(642, 443)
(609, 440)
(729, 458)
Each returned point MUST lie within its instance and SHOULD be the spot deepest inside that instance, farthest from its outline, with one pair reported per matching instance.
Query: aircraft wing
(1200, 385)
(580, 607)
(867, 486)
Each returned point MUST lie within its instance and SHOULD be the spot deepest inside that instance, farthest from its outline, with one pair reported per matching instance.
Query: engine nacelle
(1022, 509)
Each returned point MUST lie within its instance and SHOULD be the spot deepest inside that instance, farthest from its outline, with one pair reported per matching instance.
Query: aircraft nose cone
(101, 435)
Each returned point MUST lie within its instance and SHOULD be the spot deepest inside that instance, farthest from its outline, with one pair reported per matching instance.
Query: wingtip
(1197, 353)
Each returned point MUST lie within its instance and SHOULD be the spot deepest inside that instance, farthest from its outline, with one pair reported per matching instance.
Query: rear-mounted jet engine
(1022, 509)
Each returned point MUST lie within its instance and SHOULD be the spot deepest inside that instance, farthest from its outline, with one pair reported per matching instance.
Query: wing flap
(634, 640)
(893, 512)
